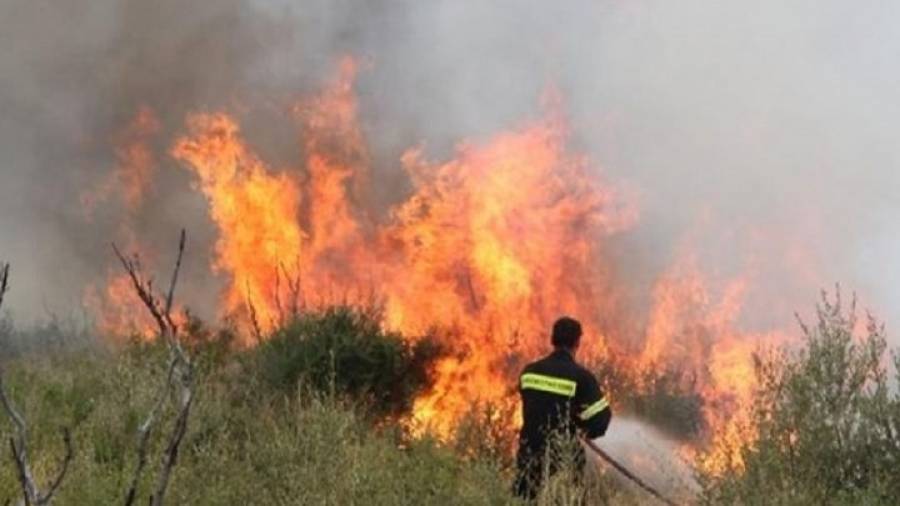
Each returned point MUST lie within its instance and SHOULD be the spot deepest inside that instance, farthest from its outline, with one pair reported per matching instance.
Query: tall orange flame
(256, 211)
(503, 240)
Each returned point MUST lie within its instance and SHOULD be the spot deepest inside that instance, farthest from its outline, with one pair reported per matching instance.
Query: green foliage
(347, 350)
(828, 422)
(245, 444)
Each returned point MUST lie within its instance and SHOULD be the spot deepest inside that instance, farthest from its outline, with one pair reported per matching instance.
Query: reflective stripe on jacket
(560, 395)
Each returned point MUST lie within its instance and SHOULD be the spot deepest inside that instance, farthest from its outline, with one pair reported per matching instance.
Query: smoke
(74, 76)
(757, 137)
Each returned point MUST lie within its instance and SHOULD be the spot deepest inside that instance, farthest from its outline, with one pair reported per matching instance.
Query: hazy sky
(760, 133)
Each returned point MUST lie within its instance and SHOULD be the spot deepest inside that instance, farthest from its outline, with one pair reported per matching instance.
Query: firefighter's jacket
(560, 395)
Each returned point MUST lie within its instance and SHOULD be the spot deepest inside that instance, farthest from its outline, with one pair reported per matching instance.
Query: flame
(502, 239)
(117, 311)
(508, 227)
(485, 251)
(337, 163)
(692, 329)
(256, 211)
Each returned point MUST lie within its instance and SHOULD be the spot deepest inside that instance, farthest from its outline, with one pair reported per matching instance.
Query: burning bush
(347, 350)
(827, 422)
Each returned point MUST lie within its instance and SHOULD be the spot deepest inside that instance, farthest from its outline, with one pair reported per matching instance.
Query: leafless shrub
(31, 492)
(179, 379)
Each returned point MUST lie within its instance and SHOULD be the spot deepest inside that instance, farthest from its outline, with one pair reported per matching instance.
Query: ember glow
(486, 249)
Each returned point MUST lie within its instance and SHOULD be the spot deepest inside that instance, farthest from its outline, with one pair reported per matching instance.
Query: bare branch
(31, 494)
(4, 281)
(170, 458)
(278, 307)
(294, 287)
(180, 366)
(143, 288)
(144, 434)
(802, 324)
(16, 418)
(17, 443)
(254, 320)
(171, 294)
(67, 439)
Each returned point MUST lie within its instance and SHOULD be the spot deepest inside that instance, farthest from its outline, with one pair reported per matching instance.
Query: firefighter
(559, 397)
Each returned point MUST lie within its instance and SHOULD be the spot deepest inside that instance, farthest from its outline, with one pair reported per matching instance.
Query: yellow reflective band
(551, 384)
(594, 408)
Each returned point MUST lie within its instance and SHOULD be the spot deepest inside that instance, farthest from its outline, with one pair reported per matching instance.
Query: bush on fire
(345, 350)
(828, 422)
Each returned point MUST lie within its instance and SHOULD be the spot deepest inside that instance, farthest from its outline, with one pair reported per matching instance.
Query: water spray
(628, 474)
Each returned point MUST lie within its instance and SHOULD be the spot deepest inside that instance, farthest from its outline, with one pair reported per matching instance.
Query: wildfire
(256, 211)
(114, 305)
(488, 247)
(116, 310)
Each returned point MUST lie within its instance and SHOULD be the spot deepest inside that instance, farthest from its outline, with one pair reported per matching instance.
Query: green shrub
(242, 447)
(827, 422)
(347, 350)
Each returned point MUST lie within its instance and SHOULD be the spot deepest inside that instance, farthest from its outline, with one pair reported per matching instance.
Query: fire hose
(628, 474)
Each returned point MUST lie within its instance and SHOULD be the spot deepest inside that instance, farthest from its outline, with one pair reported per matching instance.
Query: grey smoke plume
(761, 134)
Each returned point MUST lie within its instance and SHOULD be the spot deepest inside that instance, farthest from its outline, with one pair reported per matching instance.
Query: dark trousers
(531, 469)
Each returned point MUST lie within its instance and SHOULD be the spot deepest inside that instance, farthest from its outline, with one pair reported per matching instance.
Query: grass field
(272, 426)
